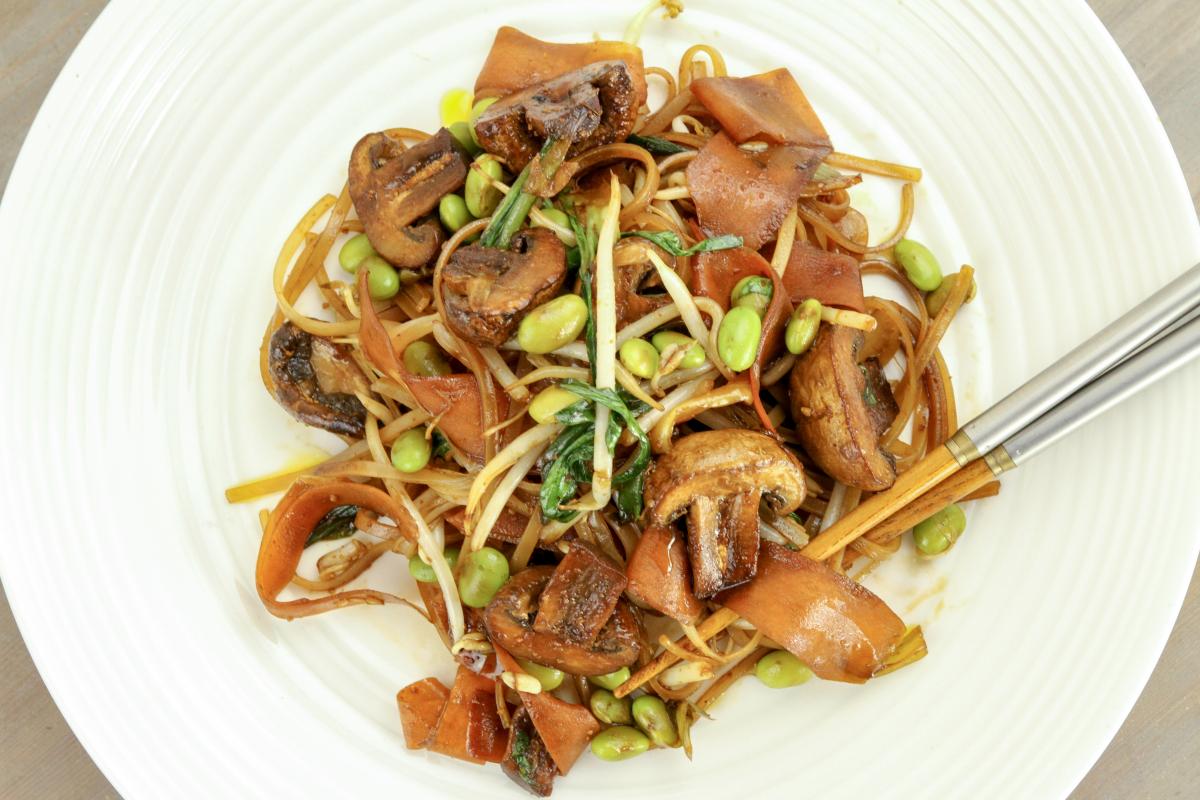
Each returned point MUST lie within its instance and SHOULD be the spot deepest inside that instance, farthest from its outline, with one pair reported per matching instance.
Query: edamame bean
(754, 292)
(481, 197)
(482, 576)
(779, 669)
(456, 106)
(651, 715)
(936, 534)
(558, 218)
(477, 111)
(737, 338)
(937, 298)
(411, 450)
(452, 210)
(802, 327)
(550, 401)
(695, 354)
(553, 324)
(639, 357)
(610, 709)
(354, 251)
(549, 677)
(423, 572)
(619, 743)
(423, 358)
(465, 136)
(383, 282)
(610, 681)
(919, 264)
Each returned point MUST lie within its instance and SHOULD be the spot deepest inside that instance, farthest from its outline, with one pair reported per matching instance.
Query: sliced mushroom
(719, 478)
(393, 187)
(315, 381)
(581, 595)
(589, 106)
(833, 412)
(881, 403)
(526, 760)
(509, 620)
(486, 291)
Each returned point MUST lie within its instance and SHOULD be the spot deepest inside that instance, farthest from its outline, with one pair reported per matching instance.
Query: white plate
(183, 140)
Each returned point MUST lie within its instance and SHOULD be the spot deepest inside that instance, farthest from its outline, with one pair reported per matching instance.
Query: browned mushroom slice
(589, 106)
(877, 392)
(509, 621)
(526, 759)
(581, 596)
(659, 577)
(832, 411)
(728, 555)
(393, 187)
(486, 291)
(315, 380)
(719, 477)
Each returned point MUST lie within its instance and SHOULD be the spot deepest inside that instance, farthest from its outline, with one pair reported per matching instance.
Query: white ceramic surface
(184, 139)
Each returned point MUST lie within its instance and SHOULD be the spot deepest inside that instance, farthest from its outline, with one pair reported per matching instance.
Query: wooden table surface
(1155, 754)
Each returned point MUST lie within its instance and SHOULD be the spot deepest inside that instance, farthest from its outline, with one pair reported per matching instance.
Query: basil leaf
(656, 145)
(670, 241)
(337, 524)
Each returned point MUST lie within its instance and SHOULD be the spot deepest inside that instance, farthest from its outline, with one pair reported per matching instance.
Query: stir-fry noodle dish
(601, 359)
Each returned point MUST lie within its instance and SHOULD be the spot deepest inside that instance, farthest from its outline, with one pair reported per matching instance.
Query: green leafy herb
(510, 215)
(337, 524)
(670, 241)
(565, 466)
(568, 461)
(520, 754)
(441, 445)
(655, 144)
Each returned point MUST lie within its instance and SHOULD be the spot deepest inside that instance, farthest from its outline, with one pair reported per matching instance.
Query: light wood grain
(1155, 754)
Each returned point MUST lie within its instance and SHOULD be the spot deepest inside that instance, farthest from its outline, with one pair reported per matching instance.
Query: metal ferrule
(999, 461)
(962, 448)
